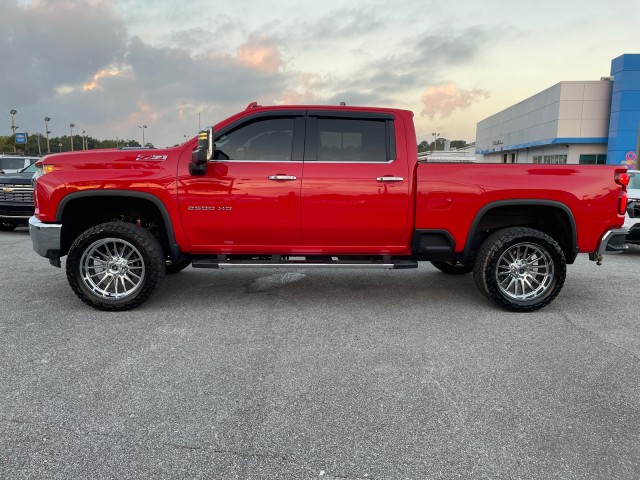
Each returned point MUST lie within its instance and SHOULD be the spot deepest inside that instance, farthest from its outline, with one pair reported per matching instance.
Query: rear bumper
(613, 241)
(45, 238)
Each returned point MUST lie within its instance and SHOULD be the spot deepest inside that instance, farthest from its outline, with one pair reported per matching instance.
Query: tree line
(425, 146)
(37, 144)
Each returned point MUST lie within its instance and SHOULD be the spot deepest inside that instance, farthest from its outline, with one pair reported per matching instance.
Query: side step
(303, 261)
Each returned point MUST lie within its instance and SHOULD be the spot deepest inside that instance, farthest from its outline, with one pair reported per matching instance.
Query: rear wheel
(115, 266)
(520, 269)
(452, 267)
(7, 226)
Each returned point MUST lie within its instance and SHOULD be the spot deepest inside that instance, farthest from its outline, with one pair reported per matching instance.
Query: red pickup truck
(318, 186)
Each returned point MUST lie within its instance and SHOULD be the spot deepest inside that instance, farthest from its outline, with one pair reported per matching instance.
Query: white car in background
(632, 219)
(13, 163)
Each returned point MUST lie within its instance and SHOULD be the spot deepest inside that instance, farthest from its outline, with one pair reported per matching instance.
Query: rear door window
(349, 140)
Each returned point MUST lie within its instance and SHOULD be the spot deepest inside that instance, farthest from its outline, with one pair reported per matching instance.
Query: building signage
(497, 142)
(21, 138)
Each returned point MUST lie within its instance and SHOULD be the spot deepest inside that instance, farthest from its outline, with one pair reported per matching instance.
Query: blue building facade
(624, 124)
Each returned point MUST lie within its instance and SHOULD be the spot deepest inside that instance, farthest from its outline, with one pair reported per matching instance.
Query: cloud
(113, 71)
(80, 62)
(453, 46)
(260, 53)
(310, 83)
(53, 43)
(444, 100)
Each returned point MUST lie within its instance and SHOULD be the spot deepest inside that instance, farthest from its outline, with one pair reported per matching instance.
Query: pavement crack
(589, 333)
(331, 476)
(182, 446)
(250, 454)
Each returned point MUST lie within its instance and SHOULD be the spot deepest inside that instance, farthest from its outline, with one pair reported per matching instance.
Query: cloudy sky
(111, 65)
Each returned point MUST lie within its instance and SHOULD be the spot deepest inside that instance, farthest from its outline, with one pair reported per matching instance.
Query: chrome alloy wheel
(112, 268)
(524, 272)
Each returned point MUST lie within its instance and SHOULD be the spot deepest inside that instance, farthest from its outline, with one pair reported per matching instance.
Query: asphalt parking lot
(292, 374)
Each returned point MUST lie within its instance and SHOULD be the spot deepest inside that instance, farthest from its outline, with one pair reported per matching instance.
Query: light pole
(142, 127)
(13, 128)
(71, 125)
(60, 147)
(435, 140)
(47, 132)
(83, 140)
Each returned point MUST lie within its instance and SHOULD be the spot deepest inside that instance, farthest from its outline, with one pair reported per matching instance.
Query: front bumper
(45, 238)
(16, 213)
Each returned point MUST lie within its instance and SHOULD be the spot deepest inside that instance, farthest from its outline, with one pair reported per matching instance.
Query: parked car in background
(16, 162)
(16, 198)
(632, 219)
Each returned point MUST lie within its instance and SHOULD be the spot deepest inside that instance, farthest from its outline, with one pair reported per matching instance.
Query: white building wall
(548, 123)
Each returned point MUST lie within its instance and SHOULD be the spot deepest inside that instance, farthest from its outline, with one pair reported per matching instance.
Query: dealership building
(586, 122)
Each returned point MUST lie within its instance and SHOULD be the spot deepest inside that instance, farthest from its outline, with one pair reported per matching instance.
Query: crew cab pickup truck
(318, 186)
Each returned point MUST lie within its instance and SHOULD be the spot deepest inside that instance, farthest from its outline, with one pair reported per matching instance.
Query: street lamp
(71, 125)
(60, 146)
(83, 140)
(435, 140)
(142, 127)
(13, 128)
(47, 132)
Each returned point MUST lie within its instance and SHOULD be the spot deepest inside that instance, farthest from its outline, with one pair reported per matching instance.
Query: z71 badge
(151, 158)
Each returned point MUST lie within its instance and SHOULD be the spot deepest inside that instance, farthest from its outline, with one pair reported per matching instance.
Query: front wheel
(520, 269)
(115, 266)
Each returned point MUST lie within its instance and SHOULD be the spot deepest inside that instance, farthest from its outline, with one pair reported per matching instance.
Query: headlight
(42, 168)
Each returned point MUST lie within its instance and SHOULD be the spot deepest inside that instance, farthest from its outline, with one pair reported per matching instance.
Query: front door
(249, 199)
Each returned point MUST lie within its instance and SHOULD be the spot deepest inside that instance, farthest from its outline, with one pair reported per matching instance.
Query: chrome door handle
(286, 178)
(389, 179)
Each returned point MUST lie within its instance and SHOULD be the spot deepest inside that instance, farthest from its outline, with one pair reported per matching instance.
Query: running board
(314, 261)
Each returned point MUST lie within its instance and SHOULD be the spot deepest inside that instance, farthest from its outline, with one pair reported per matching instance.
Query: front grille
(16, 193)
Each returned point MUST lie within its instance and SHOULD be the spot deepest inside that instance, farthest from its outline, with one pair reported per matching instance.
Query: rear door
(355, 188)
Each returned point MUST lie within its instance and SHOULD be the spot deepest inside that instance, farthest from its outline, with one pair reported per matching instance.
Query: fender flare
(175, 250)
(523, 202)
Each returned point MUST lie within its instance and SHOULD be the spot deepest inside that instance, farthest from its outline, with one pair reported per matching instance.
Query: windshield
(30, 169)
(11, 163)
(634, 181)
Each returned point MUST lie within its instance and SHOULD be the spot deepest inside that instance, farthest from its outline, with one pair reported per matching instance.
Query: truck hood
(114, 158)
(16, 178)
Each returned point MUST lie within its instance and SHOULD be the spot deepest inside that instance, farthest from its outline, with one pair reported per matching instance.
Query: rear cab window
(336, 137)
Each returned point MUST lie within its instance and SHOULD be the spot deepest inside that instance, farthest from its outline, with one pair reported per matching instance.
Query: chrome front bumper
(45, 238)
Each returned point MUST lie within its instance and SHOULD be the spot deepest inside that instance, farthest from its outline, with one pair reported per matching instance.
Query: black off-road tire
(147, 250)
(453, 268)
(486, 267)
(7, 226)
(173, 268)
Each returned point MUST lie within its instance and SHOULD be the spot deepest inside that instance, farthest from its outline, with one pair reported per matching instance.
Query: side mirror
(202, 153)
